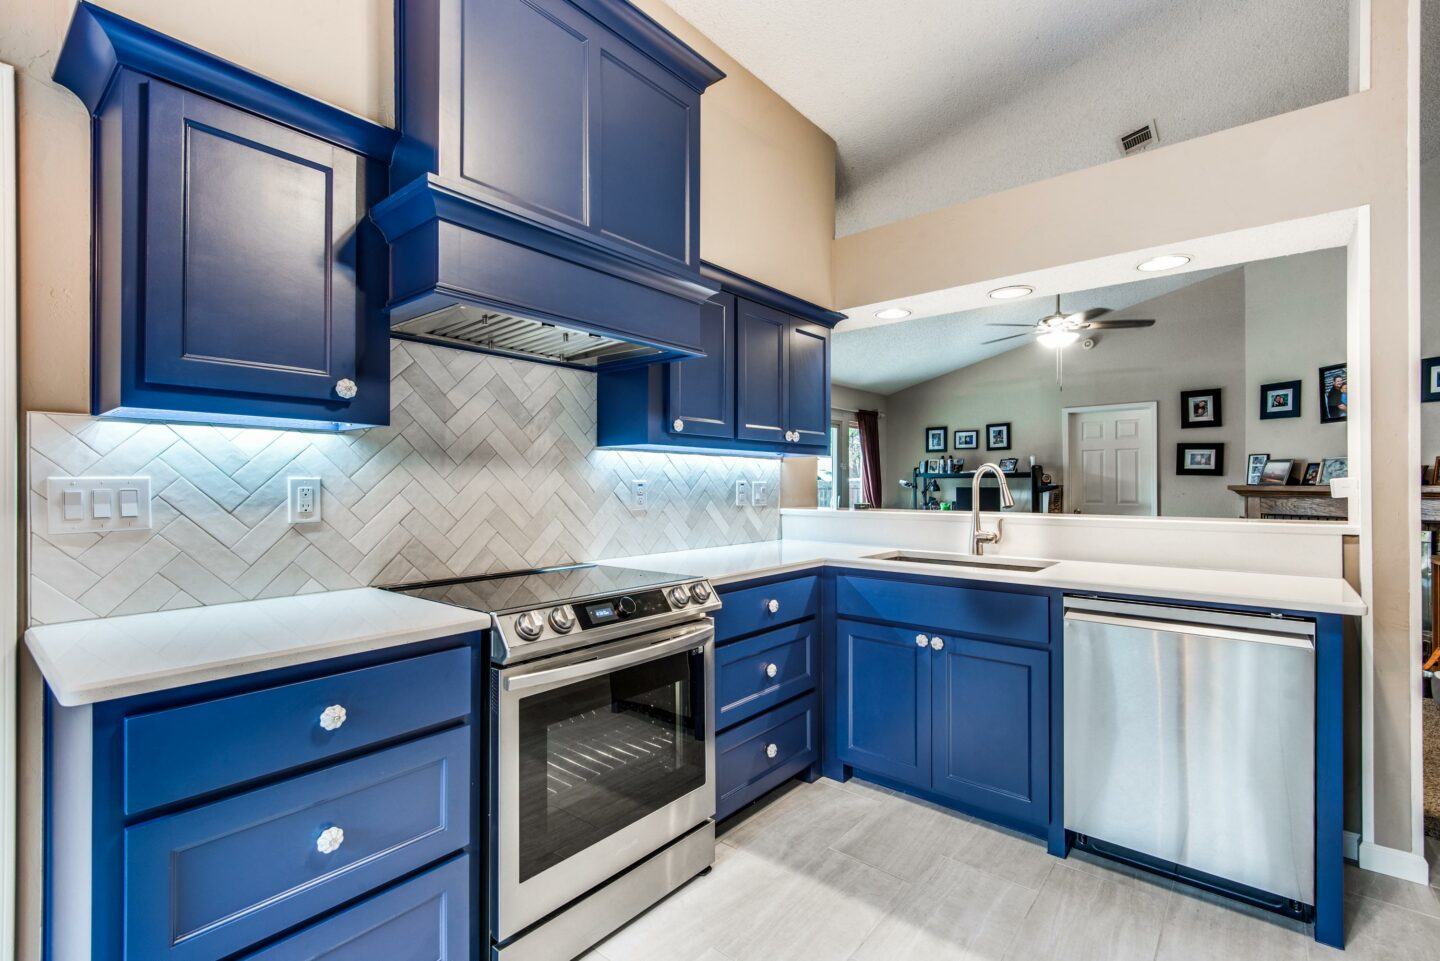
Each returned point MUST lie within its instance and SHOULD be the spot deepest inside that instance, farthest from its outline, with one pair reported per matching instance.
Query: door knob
(346, 388)
(921, 640)
(936, 644)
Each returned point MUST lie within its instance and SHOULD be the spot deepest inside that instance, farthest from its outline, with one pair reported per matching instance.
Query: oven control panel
(626, 607)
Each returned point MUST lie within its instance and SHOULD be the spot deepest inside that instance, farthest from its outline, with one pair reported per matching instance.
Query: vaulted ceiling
(933, 102)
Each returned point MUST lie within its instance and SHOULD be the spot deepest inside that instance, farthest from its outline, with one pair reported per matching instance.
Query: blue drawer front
(211, 881)
(748, 610)
(743, 768)
(998, 614)
(743, 685)
(425, 919)
(185, 752)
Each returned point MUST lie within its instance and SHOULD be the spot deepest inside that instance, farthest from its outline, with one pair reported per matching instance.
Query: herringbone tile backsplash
(488, 464)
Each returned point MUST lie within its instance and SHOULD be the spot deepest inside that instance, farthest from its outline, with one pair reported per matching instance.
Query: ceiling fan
(1060, 329)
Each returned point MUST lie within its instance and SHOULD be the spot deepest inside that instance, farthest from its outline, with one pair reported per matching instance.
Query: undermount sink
(963, 560)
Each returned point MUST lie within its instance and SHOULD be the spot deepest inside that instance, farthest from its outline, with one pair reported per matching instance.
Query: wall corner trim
(1397, 864)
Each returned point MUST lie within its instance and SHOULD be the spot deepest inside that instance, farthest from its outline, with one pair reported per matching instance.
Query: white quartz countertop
(1320, 595)
(98, 660)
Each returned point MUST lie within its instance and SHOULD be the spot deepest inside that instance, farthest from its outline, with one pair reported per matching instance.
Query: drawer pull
(773, 606)
(330, 840)
(771, 750)
(936, 644)
(771, 670)
(346, 389)
(332, 717)
(921, 640)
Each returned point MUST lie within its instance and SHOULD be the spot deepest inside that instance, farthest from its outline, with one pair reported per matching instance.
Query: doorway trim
(1147, 405)
(9, 508)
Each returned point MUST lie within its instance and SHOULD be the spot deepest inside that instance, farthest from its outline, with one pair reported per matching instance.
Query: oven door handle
(689, 637)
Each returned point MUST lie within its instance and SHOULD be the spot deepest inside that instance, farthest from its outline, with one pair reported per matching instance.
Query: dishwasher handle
(1280, 639)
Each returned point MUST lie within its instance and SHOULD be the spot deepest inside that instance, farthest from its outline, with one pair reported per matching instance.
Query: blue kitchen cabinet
(701, 397)
(807, 383)
(762, 336)
(883, 689)
(235, 271)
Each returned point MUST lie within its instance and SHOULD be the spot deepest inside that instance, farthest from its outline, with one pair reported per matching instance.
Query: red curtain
(869, 423)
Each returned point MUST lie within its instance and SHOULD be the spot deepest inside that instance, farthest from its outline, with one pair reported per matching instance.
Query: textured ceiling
(933, 102)
(888, 358)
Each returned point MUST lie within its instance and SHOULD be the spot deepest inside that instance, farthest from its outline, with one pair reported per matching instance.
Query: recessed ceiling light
(1163, 262)
(1011, 292)
(892, 313)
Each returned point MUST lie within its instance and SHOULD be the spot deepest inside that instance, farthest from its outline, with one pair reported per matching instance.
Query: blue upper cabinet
(233, 259)
(548, 170)
(763, 386)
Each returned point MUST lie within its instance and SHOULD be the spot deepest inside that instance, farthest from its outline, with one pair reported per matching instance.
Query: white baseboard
(1352, 846)
(1399, 864)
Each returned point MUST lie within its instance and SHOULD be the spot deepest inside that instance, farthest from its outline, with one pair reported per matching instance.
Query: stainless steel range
(602, 748)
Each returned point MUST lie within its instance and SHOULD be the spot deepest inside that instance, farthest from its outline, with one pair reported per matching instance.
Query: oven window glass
(600, 754)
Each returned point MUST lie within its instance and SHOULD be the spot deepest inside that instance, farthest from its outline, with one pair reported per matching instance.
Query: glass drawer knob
(771, 670)
(330, 840)
(773, 606)
(346, 388)
(771, 750)
(679, 425)
(332, 717)
(936, 644)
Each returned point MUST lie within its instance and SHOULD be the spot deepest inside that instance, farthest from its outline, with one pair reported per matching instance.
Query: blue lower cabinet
(425, 919)
(206, 883)
(760, 672)
(991, 727)
(884, 691)
(761, 754)
(745, 610)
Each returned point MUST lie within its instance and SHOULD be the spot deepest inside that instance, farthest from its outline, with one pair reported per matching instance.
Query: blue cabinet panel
(757, 756)
(883, 686)
(236, 739)
(761, 671)
(761, 337)
(744, 610)
(425, 919)
(701, 400)
(994, 613)
(210, 881)
(991, 712)
(807, 383)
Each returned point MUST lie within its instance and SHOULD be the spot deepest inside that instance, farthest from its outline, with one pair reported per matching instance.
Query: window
(839, 473)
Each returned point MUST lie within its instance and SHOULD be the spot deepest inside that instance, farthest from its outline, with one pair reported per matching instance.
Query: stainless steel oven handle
(588, 669)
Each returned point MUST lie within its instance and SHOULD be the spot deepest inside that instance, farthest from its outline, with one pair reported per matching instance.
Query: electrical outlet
(759, 493)
(304, 499)
(742, 492)
(639, 494)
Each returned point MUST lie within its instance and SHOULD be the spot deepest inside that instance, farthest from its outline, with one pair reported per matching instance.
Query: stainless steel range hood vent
(472, 328)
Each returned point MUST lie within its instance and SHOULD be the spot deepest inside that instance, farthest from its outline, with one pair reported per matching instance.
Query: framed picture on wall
(1202, 460)
(1254, 465)
(1334, 396)
(1430, 380)
(935, 439)
(1200, 408)
(968, 439)
(1280, 399)
(997, 436)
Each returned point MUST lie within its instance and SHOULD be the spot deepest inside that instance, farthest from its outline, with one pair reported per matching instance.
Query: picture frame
(1312, 474)
(1276, 472)
(1009, 464)
(933, 465)
(1254, 464)
(1200, 460)
(1334, 467)
(967, 439)
(1201, 408)
(935, 439)
(1281, 399)
(1430, 380)
(1334, 396)
(997, 436)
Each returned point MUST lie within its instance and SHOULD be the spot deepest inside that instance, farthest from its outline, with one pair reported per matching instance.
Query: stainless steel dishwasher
(1190, 740)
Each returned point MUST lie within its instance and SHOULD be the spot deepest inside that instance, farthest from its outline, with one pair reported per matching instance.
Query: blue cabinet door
(883, 678)
(762, 335)
(807, 383)
(701, 399)
(249, 246)
(991, 727)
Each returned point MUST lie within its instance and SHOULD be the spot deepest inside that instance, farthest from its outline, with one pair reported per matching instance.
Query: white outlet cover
(303, 497)
(639, 494)
(742, 493)
(55, 488)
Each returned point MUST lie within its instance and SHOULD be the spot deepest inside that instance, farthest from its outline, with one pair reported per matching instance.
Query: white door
(1111, 455)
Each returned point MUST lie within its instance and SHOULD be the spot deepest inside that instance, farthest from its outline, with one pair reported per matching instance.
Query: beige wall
(1357, 152)
(1430, 297)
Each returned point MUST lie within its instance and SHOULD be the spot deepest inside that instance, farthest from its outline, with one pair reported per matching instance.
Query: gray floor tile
(1376, 931)
(798, 826)
(1122, 874)
(1081, 916)
(1382, 887)
(956, 913)
(1005, 854)
(1207, 927)
(906, 838)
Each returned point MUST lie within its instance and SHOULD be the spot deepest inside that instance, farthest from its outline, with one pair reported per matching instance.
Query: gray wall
(1430, 298)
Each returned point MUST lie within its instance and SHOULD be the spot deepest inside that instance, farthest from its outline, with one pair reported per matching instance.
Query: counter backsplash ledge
(488, 464)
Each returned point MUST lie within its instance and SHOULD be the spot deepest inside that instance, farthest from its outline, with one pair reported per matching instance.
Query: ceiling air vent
(1140, 139)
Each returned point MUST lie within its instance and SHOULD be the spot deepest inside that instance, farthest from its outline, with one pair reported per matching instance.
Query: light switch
(88, 505)
(102, 504)
(129, 502)
(73, 505)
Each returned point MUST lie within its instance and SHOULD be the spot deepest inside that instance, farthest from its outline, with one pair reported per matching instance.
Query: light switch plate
(742, 492)
(85, 488)
(759, 493)
(303, 496)
(639, 495)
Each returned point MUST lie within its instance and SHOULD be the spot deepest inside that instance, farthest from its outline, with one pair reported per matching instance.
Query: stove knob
(700, 591)
(562, 620)
(529, 625)
(678, 596)
(626, 605)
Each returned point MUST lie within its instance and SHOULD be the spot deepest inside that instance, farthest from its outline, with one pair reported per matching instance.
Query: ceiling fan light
(1163, 262)
(1055, 339)
(1013, 292)
(892, 313)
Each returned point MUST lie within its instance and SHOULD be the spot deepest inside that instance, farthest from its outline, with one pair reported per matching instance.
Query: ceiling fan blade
(1093, 312)
(1118, 324)
(999, 339)
(1010, 325)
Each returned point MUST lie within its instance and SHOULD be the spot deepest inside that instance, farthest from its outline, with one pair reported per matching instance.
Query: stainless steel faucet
(979, 538)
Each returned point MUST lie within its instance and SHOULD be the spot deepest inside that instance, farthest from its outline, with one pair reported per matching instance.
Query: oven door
(598, 761)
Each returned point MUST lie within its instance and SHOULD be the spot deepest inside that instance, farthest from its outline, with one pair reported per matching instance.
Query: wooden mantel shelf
(1286, 490)
(1291, 502)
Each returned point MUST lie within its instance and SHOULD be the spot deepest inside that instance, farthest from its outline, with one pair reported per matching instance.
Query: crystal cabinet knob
(771, 670)
(330, 840)
(921, 640)
(346, 388)
(773, 606)
(678, 426)
(771, 750)
(936, 644)
(332, 717)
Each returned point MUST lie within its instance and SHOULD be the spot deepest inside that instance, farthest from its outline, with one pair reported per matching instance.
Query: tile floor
(853, 872)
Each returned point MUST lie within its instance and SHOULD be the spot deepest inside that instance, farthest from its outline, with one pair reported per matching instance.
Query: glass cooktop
(526, 590)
